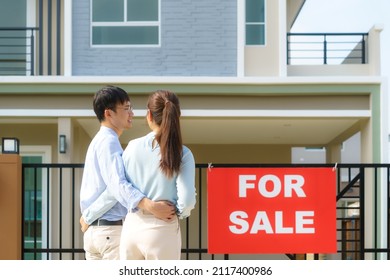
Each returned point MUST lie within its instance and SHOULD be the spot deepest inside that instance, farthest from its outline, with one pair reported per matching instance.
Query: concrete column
(65, 127)
(333, 153)
(367, 157)
(374, 50)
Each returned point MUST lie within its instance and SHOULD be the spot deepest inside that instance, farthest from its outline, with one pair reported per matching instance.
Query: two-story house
(250, 92)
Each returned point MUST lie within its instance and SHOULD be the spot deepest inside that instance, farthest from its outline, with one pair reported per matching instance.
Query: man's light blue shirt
(104, 170)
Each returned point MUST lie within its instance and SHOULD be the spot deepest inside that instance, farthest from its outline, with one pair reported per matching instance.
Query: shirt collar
(109, 130)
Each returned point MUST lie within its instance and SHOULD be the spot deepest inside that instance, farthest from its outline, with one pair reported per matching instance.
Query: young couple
(131, 200)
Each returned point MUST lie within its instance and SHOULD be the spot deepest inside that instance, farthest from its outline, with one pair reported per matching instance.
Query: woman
(163, 169)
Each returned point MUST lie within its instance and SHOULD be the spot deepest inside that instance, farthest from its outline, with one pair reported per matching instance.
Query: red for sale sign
(271, 210)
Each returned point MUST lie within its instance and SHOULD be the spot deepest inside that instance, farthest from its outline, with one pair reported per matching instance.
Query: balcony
(17, 51)
(36, 50)
(32, 51)
(334, 54)
(29, 51)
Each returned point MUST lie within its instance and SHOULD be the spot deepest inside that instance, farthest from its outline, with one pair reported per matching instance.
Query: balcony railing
(31, 51)
(17, 51)
(326, 48)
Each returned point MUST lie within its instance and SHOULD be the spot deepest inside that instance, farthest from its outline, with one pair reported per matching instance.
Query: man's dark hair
(107, 98)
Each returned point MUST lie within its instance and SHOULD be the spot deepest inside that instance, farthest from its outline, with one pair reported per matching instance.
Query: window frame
(45, 154)
(125, 23)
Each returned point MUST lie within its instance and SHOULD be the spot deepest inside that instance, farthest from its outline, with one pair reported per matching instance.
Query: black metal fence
(326, 48)
(51, 213)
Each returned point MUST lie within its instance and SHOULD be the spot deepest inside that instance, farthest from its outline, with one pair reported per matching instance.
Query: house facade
(247, 96)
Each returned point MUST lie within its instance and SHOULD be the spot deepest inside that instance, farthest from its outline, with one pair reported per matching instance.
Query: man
(104, 172)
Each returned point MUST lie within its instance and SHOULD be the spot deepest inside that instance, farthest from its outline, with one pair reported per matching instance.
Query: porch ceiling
(299, 131)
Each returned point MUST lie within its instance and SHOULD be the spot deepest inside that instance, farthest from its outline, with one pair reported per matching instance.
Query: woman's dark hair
(107, 98)
(165, 108)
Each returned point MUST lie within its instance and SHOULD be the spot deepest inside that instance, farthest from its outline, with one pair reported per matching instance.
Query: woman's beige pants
(145, 237)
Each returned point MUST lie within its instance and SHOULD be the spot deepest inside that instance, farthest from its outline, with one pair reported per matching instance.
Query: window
(255, 22)
(125, 22)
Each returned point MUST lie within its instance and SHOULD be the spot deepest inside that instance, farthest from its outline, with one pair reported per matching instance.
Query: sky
(348, 16)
